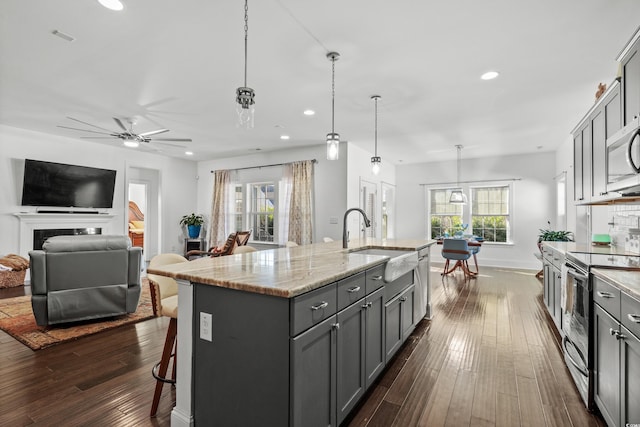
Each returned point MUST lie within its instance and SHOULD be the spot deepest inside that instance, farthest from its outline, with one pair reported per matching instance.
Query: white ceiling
(176, 65)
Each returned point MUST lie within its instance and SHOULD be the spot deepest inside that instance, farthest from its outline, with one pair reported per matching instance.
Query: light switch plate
(333, 220)
(205, 326)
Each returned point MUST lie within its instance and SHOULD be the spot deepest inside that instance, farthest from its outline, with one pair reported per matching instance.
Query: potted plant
(194, 223)
(549, 235)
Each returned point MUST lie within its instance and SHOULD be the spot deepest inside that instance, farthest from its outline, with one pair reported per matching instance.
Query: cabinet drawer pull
(635, 318)
(353, 289)
(376, 278)
(605, 294)
(320, 306)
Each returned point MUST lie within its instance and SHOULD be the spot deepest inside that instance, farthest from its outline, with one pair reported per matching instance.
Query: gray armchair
(86, 277)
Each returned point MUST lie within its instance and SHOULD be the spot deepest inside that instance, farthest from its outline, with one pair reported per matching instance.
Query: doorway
(143, 193)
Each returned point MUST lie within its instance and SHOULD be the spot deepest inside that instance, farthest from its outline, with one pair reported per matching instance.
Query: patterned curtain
(301, 207)
(220, 207)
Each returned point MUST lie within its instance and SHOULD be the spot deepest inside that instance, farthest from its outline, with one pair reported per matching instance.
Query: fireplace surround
(30, 222)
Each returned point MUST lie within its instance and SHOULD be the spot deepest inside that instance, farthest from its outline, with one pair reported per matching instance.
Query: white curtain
(284, 202)
(220, 207)
(301, 205)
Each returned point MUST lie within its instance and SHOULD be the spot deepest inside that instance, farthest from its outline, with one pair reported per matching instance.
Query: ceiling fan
(128, 136)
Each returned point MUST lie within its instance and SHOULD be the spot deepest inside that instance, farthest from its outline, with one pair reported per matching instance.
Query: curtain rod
(269, 166)
(471, 182)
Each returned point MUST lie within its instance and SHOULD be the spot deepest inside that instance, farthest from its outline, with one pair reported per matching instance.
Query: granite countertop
(627, 281)
(287, 272)
(565, 247)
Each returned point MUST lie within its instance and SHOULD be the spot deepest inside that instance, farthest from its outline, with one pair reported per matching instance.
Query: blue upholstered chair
(457, 250)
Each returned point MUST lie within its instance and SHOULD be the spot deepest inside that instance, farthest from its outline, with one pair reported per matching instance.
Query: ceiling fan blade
(154, 132)
(89, 124)
(167, 144)
(124, 128)
(98, 137)
(172, 139)
(86, 130)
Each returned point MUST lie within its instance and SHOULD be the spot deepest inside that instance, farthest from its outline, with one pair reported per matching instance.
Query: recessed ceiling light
(490, 75)
(189, 153)
(112, 4)
(284, 136)
(309, 112)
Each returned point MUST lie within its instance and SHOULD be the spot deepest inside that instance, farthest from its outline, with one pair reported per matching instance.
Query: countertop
(287, 272)
(565, 247)
(627, 281)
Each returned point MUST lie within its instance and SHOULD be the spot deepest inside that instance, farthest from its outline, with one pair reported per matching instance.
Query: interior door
(369, 204)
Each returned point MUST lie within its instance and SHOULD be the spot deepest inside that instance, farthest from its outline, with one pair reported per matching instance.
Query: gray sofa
(77, 278)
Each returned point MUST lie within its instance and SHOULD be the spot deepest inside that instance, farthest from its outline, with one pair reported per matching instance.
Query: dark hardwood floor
(488, 357)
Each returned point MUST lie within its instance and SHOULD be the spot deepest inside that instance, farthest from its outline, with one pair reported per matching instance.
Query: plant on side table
(194, 223)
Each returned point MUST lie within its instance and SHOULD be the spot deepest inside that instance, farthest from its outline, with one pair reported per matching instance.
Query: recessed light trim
(189, 153)
(116, 5)
(284, 137)
(309, 112)
(490, 75)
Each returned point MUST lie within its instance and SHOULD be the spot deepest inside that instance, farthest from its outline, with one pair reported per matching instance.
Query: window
(262, 208)
(237, 216)
(490, 213)
(445, 217)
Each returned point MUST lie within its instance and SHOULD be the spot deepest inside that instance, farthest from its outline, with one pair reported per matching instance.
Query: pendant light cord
(333, 92)
(459, 147)
(376, 129)
(246, 38)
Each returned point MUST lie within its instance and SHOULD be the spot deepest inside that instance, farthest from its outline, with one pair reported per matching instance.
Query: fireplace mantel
(30, 221)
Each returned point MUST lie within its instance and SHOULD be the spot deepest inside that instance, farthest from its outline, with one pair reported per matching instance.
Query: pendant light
(333, 139)
(376, 160)
(457, 196)
(244, 95)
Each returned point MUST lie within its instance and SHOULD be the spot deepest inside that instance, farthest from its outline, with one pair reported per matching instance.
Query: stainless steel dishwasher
(423, 284)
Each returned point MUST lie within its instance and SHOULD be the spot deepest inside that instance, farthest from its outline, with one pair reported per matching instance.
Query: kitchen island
(275, 337)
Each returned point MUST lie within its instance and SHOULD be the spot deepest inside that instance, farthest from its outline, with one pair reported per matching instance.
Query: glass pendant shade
(333, 146)
(375, 164)
(245, 107)
(458, 197)
(131, 143)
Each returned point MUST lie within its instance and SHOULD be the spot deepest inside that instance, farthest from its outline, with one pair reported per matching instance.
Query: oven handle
(565, 342)
(629, 149)
(577, 274)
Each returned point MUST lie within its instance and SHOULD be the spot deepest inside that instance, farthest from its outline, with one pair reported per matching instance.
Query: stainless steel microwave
(623, 159)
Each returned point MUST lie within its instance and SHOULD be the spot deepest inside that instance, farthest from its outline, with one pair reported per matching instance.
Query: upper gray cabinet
(605, 121)
(629, 60)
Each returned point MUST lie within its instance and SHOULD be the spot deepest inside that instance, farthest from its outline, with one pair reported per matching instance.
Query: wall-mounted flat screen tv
(61, 185)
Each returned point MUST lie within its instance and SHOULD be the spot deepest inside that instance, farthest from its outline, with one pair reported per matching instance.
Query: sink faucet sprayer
(367, 223)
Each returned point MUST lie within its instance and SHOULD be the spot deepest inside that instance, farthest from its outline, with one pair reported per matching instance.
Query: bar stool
(164, 297)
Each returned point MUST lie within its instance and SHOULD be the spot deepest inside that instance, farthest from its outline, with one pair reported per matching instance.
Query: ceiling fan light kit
(245, 103)
(333, 139)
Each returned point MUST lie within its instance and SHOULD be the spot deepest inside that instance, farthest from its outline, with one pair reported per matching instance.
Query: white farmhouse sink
(400, 261)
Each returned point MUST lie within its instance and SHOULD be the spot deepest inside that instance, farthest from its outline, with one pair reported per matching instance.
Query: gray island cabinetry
(616, 349)
(302, 361)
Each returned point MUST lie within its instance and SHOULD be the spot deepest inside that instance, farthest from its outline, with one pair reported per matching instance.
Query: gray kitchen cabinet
(605, 121)
(616, 354)
(582, 163)
(552, 261)
(360, 349)
(400, 320)
(629, 60)
(606, 366)
(314, 375)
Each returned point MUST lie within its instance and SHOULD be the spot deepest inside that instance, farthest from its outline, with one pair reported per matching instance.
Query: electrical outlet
(205, 326)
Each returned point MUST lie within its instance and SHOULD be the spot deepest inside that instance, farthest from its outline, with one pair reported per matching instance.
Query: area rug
(16, 319)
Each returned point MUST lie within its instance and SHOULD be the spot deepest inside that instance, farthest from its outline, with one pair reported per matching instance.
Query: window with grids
(490, 213)
(445, 217)
(262, 209)
(237, 213)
